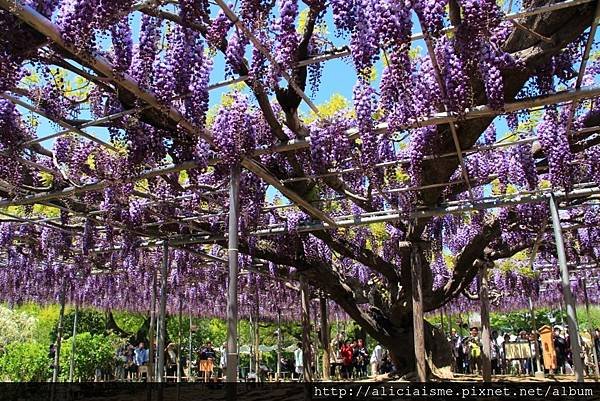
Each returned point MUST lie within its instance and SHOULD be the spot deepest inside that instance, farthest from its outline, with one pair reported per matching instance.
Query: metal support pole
(257, 340)
(325, 337)
(56, 367)
(566, 287)
(306, 349)
(162, 331)
(232, 296)
(590, 328)
(59, 333)
(189, 378)
(179, 342)
(72, 361)
(418, 318)
(156, 334)
(486, 363)
(538, 354)
(314, 347)
(278, 344)
(151, 329)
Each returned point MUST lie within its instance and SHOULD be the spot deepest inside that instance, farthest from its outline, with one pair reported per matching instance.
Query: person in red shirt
(346, 352)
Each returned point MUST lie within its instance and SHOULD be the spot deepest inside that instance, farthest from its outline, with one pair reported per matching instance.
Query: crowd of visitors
(467, 349)
(131, 360)
(350, 359)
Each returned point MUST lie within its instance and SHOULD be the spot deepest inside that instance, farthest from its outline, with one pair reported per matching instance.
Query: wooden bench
(142, 370)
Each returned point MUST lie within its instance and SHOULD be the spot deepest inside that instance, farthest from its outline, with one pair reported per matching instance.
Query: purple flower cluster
(145, 51)
(233, 130)
(234, 55)
(456, 77)
(196, 105)
(287, 38)
(364, 105)
(12, 131)
(423, 143)
(122, 45)
(329, 144)
(553, 138)
(193, 10)
(172, 74)
(431, 14)
(218, 30)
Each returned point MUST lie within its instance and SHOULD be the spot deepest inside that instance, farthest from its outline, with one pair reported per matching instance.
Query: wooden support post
(566, 287)
(72, 361)
(151, 333)
(418, 318)
(162, 331)
(442, 320)
(306, 349)
(325, 337)
(232, 295)
(590, 328)
(486, 368)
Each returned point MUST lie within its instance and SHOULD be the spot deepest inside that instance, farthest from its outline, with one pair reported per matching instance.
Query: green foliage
(46, 179)
(88, 320)
(46, 315)
(415, 52)
(16, 326)
(336, 104)
(529, 125)
(515, 321)
(92, 352)
(25, 362)
(402, 175)
(129, 322)
(379, 231)
(214, 330)
(320, 27)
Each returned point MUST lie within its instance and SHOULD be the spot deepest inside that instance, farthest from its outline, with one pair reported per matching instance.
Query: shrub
(16, 326)
(25, 362)
(92, 351)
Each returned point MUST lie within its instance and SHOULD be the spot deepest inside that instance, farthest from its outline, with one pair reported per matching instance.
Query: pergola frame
(321, 221)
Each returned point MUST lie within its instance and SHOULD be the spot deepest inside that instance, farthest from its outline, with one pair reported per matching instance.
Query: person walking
(298, 362)
(376, 358)
(347, 354)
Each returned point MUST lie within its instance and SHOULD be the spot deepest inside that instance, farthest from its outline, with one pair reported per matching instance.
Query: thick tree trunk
(112, 326)
(437, 351)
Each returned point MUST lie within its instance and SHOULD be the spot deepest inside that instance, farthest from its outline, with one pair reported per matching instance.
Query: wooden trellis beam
(58, 121)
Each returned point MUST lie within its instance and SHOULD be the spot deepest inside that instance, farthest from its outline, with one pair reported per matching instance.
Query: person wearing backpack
(473, 345)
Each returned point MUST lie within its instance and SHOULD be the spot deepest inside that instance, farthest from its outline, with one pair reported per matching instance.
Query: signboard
(548, 351)
(517, 350)
(475, 320)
